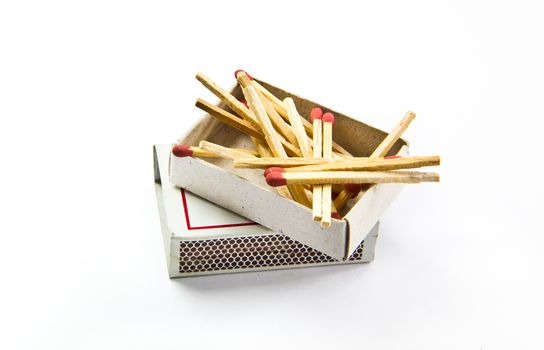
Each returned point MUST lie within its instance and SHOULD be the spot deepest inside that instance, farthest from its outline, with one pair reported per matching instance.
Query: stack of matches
(299, 156)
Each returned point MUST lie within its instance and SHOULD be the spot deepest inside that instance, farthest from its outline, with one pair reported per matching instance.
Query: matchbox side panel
(246, 253)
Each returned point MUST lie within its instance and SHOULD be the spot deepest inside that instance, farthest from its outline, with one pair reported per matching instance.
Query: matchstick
(270, 135)
(296, 123)
(271, 138)
(263, 163)
(317, 190)
(237, 106)
(371, 164)
(298, 164)
(221, 151)
(348, 192)
(282, 111)
(283, 128)
(193, 151)
(241, 125)
(334, 212)
(390, 140)
(326, 200)
(277, 178)
(380, 151)
(277, 121)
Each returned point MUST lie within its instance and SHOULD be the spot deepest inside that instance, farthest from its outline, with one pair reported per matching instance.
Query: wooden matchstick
(277, 178)
(380, 151)
(298, 164)
(277, 121)
(270, 135)
(283, 128)
(237, 106)
(271, 138)
(334, 212)
(241, 125)
(221, 151)
(390, 140)
(317, 190)
(296, 122)
(263, 163)
(193, 151)
(326, 200)
(371, 164)
(282, 111)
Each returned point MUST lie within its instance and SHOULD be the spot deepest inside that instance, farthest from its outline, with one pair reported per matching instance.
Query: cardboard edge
(165, 229)
(369, 248)
(376, 200)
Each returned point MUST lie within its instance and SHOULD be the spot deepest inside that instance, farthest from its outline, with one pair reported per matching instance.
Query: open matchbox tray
(202, 238)
(245, 192)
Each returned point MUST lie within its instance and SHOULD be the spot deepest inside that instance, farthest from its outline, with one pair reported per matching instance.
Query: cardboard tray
(245, 192)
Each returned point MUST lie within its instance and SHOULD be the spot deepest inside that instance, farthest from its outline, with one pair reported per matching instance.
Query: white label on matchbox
(193, 217)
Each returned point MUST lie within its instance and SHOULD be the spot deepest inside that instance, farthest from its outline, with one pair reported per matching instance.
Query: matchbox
(245, 192)
(202, 238)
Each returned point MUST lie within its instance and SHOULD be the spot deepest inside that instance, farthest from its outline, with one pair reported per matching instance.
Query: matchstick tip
(182, 151)
(328, 118)
(275, 179)
(238, 71)
(273, 169)
(336, 216)
(316, 113)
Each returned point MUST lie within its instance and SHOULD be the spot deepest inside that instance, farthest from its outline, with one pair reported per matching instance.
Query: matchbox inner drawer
(244, 191)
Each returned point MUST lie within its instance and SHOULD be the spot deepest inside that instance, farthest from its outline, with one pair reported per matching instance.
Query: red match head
(273, 169)
(328, 118)
(242, 71)
(354, 189)
(275, 179)
(336, 216)
(316, 113)
(182, 151)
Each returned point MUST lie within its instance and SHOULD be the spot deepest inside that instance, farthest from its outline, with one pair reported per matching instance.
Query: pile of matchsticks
(300, 158)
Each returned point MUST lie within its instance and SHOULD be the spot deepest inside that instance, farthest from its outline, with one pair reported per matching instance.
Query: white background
(87, 87)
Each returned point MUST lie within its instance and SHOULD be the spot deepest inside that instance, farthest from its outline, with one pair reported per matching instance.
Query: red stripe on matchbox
(188, 221)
